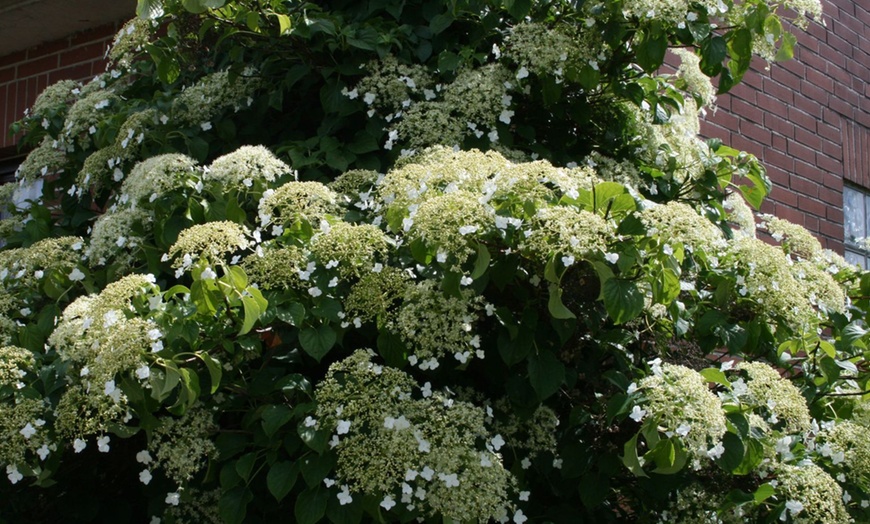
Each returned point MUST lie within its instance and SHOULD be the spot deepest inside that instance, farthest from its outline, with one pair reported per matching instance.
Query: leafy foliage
(483, 269)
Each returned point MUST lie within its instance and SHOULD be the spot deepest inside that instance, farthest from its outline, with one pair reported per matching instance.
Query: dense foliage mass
(396, 260)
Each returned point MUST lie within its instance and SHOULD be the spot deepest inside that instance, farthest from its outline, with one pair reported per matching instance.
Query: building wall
(807, 120)
(24, 74)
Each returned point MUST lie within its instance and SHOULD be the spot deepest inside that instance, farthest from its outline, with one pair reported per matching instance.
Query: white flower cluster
(394, 445)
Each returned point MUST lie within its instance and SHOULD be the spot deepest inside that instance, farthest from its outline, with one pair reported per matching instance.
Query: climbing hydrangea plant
(397, 260)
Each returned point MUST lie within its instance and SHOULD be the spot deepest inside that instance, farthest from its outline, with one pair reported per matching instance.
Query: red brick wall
(807, 120)
(24, 74)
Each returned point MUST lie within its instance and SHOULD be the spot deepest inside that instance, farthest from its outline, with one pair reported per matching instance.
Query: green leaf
(162, 384)
(252, 20)
(237, 278)
(716, 376)
(630, 458)
(732, 457)
(317, 341)
(177, 289)
(293, 314)
(713, 53)
(252, 313)
(274, 417)
(481, 263)
(555, 306)
(752, 457)
(281, 478)
(546, 374)
(215, 371)
(314, 439)
(448, 62)
(392, 348)
(513, 351)
(440, 22)
(786, 48)
(168, 70)
(316, 467)
(753, 195)
(764, 492)
(518, 8)
(604, 192)
(652, 47)
(148, 9)
(622, 299)
(233, 504)
(828, 348)
(670, 457)
(194, 6)
(245, 465)
(594, 489)
(284, 25)
(311, 505)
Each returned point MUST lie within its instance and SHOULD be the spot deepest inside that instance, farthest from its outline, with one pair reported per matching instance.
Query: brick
(832, 230)
(102, 33)
(813, 92)
(826, 163)
(810, 106)
(32, 91)
(755, 132)
(828, 131)
(802, 119)
(797, 65)
(833, 180)
(812, 206)
(778, 175)
(768, 206)
(832, 55)
(832, 117)
(780, 143)
(846, 93)
(743, 144)
(833, 150)
(840, 45)
(814, 62)
(803, 186)
(786, 78)
(819, 79)
(778, 91)
(35, 67)
(84, 53)
(834, 212)
(49, 48)
(800, 151)
(837, 74)
(842, 107)
(742, 94)
(833, 198)
(833, 245)
(14, 58)
(3, 120)
(791, 214)
(7, 74)
(811, 140)
(724, 118)
(770, 104)
(778, 124)
(774, 157)
(77, 72)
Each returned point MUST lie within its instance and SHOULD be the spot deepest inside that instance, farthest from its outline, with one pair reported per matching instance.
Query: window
(856, 211)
